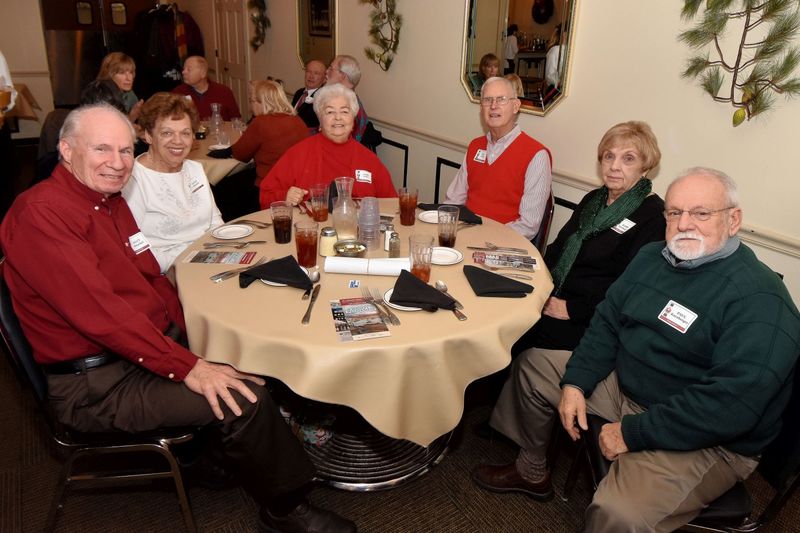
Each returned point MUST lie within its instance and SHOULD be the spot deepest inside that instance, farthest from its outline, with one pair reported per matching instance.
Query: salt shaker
(394, 245)
(327, 238)
(387, 235)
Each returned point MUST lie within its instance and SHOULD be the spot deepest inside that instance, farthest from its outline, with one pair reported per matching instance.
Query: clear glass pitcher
(345, 210)
(216, 124)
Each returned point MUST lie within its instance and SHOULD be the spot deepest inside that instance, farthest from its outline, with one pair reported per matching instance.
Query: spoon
(442, 287)
(314, 277)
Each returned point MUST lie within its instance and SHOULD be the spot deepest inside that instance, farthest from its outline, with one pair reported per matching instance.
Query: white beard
(695, 249)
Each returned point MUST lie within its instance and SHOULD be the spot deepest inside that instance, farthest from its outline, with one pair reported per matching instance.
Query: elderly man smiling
(204, 91)
(506, 174)
(691, 356)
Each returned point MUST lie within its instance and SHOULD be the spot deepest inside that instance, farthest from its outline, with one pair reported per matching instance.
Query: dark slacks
(124, 397)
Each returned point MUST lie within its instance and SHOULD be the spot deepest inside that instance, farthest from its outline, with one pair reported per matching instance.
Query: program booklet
(356, 319)
(228, 258)
(520, 262)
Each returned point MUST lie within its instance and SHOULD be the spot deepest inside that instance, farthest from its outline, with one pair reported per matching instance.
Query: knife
(314, 294)
(230, 243)
(507, 250)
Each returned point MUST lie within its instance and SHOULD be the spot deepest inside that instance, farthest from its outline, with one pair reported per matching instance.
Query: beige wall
(626, 65)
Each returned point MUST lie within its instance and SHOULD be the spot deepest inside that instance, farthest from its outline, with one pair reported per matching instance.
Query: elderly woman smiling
(333, 153)
(168, 195)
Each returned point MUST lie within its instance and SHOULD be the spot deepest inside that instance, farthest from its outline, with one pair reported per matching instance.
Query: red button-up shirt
(78, 287)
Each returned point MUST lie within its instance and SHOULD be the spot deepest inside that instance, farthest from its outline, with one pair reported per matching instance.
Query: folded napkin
(284, 270)
(486, 283)
(361, 265)
(411, 291)
(464, 214)
(222, 153)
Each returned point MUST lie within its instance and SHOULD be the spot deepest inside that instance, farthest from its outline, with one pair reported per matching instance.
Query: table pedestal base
(370, 461)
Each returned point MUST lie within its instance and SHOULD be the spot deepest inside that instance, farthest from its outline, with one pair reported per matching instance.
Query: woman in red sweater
(333, 153)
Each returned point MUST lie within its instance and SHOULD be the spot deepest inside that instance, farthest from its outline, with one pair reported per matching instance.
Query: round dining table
(216, 169)
(409, 385)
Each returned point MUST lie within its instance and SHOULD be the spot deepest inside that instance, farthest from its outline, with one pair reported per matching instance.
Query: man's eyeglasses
(697, 214)
(488, 101)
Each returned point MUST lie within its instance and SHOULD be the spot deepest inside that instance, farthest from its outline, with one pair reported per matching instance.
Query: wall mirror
(544, 40)
(316, 30)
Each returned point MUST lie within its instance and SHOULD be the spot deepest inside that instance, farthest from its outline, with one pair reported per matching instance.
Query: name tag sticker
(138, 243)
(480, 156)
(353, 284)
(677, 316)
(624, 226)
(364, 176)
(195, 184)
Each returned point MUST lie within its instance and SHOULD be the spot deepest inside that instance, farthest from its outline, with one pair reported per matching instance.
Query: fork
(368, 298)
(376, 294)
(216, 278)
(256, 223)
(232, 244)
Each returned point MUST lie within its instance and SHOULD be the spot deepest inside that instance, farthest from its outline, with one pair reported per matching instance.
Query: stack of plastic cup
(369, 223)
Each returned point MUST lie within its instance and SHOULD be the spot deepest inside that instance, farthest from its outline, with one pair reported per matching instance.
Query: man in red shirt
(506, 174)
(204, 91)
(103, 324)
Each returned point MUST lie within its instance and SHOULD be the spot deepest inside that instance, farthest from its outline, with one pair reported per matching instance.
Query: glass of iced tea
(448, 224)
(319, 201)
(421, 251)
(282, 221)
(305, 237)
(408, 205)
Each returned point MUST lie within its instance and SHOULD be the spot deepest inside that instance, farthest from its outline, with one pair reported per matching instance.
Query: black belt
(80, 366)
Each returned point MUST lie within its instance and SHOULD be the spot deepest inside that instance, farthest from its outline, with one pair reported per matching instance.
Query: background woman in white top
(168, 194)
(511, 49)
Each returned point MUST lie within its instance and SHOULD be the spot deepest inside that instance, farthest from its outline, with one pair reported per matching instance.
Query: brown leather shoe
(305, 518)
(506, 478)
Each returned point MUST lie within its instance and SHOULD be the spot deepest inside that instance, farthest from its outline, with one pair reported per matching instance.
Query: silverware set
(490, 247)
(376, 299)
(256, 223)
(231, 244)
(227, 274)
(314, 294)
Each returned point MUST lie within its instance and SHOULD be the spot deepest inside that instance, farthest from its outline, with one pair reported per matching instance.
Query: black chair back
(19, 350)
(540, 239)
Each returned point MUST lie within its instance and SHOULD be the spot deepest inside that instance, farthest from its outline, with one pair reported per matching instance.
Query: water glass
(421, 252)
(319, 201)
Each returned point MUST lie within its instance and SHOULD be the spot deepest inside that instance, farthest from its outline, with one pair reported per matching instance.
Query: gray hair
(348, 65)
(731, 191)
(326, 92)
(71, 126)
(505, 81)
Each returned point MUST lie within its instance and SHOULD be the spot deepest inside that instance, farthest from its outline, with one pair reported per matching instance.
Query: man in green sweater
(691, 354)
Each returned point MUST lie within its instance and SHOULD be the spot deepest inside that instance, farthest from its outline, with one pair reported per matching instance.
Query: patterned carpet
(444, 500)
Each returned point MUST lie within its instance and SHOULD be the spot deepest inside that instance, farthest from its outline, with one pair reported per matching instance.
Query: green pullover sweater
(712, 368)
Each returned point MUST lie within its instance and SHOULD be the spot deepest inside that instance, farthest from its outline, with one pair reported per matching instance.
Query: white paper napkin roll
(359, 265)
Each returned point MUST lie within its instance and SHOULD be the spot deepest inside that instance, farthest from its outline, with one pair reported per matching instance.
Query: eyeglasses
(697, 214)
(488, 101)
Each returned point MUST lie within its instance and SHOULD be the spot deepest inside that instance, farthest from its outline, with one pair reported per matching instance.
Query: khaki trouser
(651, 490)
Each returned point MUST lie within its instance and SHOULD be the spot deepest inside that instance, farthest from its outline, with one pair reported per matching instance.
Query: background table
(409, 385)
(216, 169)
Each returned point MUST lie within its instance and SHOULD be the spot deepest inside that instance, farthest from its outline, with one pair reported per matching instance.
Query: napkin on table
(486, 283)
(284, 270)
(465, 215)
(360, 265)
(411, 291)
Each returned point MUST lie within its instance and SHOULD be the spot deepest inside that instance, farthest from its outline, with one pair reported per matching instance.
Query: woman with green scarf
(605, 231)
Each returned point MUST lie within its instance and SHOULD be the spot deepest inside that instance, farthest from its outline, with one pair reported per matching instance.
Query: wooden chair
(80, 447)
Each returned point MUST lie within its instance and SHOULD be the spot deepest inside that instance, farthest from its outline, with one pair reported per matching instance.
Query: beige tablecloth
(409, 385)
(216, 169)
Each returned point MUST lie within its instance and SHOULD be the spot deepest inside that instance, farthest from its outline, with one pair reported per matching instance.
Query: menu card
(356, 319)
(521, 262)
(230, 258)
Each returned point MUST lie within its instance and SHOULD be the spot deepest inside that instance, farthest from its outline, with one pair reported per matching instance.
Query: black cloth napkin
(465, 215)
(222, 153)
(284, 270)
(410, 291)
(486, 283)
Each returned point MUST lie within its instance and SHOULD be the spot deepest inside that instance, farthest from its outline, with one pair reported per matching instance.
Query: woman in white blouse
(169, 195)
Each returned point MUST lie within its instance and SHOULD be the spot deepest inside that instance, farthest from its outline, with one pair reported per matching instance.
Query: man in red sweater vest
(506, 174)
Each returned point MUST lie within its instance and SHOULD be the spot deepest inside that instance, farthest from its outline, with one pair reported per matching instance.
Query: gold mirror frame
(536, 102)
(317, 41)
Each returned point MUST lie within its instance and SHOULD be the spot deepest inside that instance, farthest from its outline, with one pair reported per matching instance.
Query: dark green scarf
(595, 217)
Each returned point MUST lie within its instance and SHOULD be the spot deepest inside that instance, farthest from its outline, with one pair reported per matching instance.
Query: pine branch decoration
(384, 32)
(258, 14)
(760, 68)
